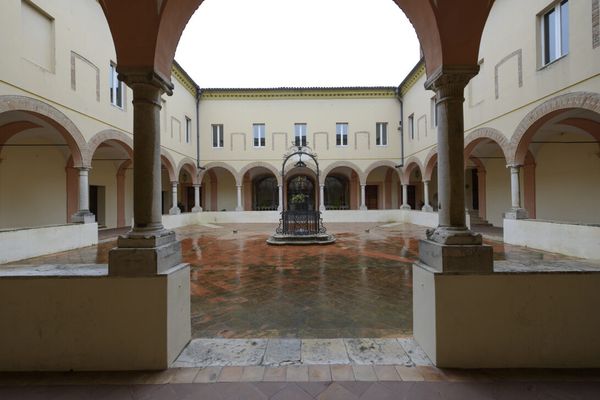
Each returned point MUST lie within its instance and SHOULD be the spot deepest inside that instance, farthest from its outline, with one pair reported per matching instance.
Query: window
(259, 135)
(117, 91)
(188, 130)
(341, 134)
(381, 134)
(217, 135)
(300, 134)
(434, 114)
(411, 126)
(555, 32)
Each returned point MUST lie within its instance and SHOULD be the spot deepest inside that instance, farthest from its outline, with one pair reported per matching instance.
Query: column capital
(174, 183)
(197, 185)
(145, 76)
(449, 81)
(514, 166)
(84, 168)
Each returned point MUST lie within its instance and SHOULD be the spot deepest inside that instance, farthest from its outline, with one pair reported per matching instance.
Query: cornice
(413, 76)
(295, 93)
(184, 79)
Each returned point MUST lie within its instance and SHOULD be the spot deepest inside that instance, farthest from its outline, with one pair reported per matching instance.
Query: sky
(298, 43)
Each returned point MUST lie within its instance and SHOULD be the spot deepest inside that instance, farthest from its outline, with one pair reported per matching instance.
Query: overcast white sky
(272, 43)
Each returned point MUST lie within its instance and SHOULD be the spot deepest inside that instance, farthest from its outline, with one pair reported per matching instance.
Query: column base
(174, 211)
(197, 209)
(465, 259)
(279, 209)
(405, 207)
(322, 209)
(239, 209)
(454, 236)
(83, 217)
(516, 213)
(144, 256)
(363, 208)
(427, 209)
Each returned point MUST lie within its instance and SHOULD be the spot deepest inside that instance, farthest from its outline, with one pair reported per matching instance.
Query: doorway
(372, 197)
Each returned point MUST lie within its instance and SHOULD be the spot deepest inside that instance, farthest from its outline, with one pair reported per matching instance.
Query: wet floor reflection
(241, 287)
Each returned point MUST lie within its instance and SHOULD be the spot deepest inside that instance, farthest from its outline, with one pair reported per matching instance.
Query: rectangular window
(217, 135)
(117, 89)
(555, 32)
(434, 114)
(341, 134)
(381, 134)
(300, 134)
(259, 135)
(188, 130)
(411, 126)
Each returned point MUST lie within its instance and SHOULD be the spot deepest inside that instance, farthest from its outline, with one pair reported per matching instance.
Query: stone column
(516, 211)
(83, 215)
(322, 197)
(280, 206)
(363, 205)
(239, 198)
(197, 208)
(148, 249)
(426, 207)
(452, 247)
(174, 210)
(405, 205)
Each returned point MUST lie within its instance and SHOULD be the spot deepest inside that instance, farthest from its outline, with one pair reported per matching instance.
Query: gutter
(401, 127)
(198, 94)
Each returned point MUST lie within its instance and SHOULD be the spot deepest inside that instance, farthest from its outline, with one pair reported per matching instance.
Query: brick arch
(169, 163)
(338, 164)
(219, 164)
(536, 118)
(377, 164)
(190, 166)
(482, 134)
(430, 163)
(59, 121)
(109, 135)
(260, 164)
(410, 165)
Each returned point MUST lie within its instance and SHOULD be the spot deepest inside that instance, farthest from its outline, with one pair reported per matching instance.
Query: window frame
(116, 87)
(411, 126)
(262, 141)
(561, 46)
(434, 112)
(380, 135)
(188, 129)
(219, 130)
(299, 134)
(341, 134)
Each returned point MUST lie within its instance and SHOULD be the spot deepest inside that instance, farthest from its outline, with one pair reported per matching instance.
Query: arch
(290, 167)
(219, 164)
(377, 164)
(348, 164)
(190, 166)
(481, 134)
(167, 160)
(59, 121)
(410, 165)
(260, 164)
(536, 118)
(105, 136)
(430, 163)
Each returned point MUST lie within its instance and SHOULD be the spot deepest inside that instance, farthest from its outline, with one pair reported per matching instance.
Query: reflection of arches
(52, 116)
(535, 119)
(411, 164)
(337, 192)
(189, 165)
(338, 164)
(484, 134)
(219, 164)
(264, 165)
(109, 135)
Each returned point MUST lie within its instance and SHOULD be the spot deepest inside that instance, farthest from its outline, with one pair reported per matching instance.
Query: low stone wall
(181, 220)
(508, 320)
(239, 217)
(19, 244)
(573, 240)
(61, 322)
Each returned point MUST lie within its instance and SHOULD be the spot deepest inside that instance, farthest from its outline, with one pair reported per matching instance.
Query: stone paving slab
(376, 351)
(283, 352)
(324, 351)
(57, 270)
(222, 352)
(415, 352)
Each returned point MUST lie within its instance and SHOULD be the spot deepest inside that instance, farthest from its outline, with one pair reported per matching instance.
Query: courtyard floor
(359, 287)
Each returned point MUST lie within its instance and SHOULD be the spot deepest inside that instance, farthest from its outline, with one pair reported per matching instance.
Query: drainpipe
(198, 94)
(401, 127)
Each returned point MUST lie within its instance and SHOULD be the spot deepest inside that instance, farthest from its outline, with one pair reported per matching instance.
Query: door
(371, 197)
(412, 196)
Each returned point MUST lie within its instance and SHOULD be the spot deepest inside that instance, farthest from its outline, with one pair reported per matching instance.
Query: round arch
(190, 166)
(219, 164)
(477, 136)
(411, 164)
(536, 118)
(169, 163)
(430, 163)
(377, 164)
(260, 164)
(111, 135)
(67, 129)
(338, 164)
